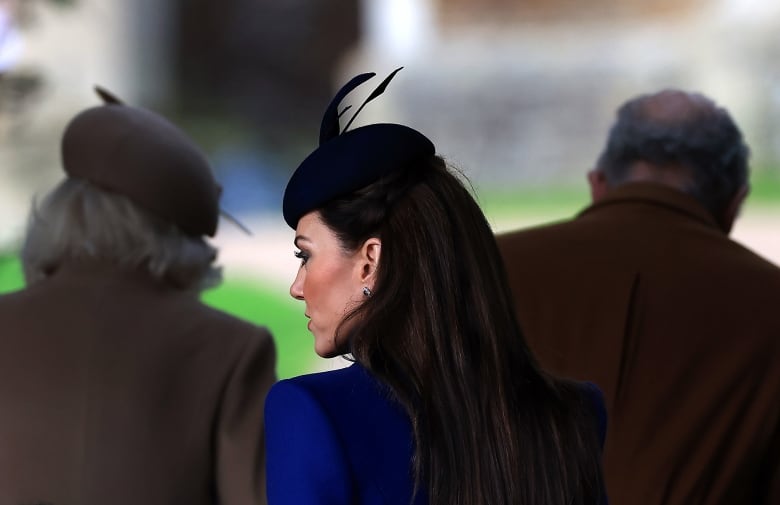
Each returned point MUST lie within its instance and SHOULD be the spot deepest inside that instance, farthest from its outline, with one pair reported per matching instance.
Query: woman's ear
(369, 260)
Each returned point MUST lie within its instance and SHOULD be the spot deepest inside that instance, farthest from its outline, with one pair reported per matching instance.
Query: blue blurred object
(251, 181)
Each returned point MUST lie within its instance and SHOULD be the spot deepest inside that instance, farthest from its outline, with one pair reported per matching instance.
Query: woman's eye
(301, 256)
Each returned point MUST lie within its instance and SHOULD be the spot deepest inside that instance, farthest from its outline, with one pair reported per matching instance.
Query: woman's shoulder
(344, 392)
(330, 385)
(593, 400)
(592, 393)
(583, 401)
(343, 419)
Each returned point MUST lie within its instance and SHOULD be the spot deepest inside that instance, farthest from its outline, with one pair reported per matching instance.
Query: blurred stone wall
(515, 93)
(68, 47)
(524, 92)
(468, 12)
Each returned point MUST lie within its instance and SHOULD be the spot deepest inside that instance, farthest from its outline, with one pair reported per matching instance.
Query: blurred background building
(518, 93)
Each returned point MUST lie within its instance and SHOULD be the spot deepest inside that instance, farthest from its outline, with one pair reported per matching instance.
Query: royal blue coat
(337, 438)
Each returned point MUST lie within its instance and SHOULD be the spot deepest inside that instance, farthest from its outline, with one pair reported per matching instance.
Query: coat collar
(654, 194)
(106, 272)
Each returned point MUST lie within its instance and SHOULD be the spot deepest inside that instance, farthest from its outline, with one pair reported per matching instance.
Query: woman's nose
(296, 288)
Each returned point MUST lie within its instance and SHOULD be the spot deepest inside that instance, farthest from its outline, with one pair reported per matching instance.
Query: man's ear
(731, 212)
(598, 185)
(369, 260)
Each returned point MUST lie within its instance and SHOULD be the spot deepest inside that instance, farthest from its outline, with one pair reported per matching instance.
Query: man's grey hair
(684, 130)
(77, 221)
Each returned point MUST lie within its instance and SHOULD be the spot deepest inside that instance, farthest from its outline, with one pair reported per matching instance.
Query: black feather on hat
(346, 161)
(144, 157)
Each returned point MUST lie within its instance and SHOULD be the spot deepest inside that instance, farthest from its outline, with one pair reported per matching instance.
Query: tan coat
(116, 389)
(679, 325)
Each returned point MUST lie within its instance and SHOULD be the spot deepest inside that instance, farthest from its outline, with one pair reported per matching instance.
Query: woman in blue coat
(445, 403)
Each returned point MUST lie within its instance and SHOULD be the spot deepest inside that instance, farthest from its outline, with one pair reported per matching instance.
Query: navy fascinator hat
(346, 161)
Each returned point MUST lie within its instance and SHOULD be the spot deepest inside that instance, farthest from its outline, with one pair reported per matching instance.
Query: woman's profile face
(328, 281)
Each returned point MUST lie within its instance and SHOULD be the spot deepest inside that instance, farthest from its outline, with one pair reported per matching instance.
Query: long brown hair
(489, 426)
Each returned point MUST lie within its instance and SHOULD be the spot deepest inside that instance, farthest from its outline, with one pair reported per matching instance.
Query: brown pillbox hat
(144, 157)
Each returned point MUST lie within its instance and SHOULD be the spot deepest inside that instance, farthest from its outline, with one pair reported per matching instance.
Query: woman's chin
(324, 349)
(329, 353)
(327, 349)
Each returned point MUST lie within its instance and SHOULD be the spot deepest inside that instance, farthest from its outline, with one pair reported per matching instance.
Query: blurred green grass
(765, 187)
(511, 207)
(533, 204)
(11, 277)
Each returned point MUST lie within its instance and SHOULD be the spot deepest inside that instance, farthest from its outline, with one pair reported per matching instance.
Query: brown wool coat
(680, 326)
(116, 389)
